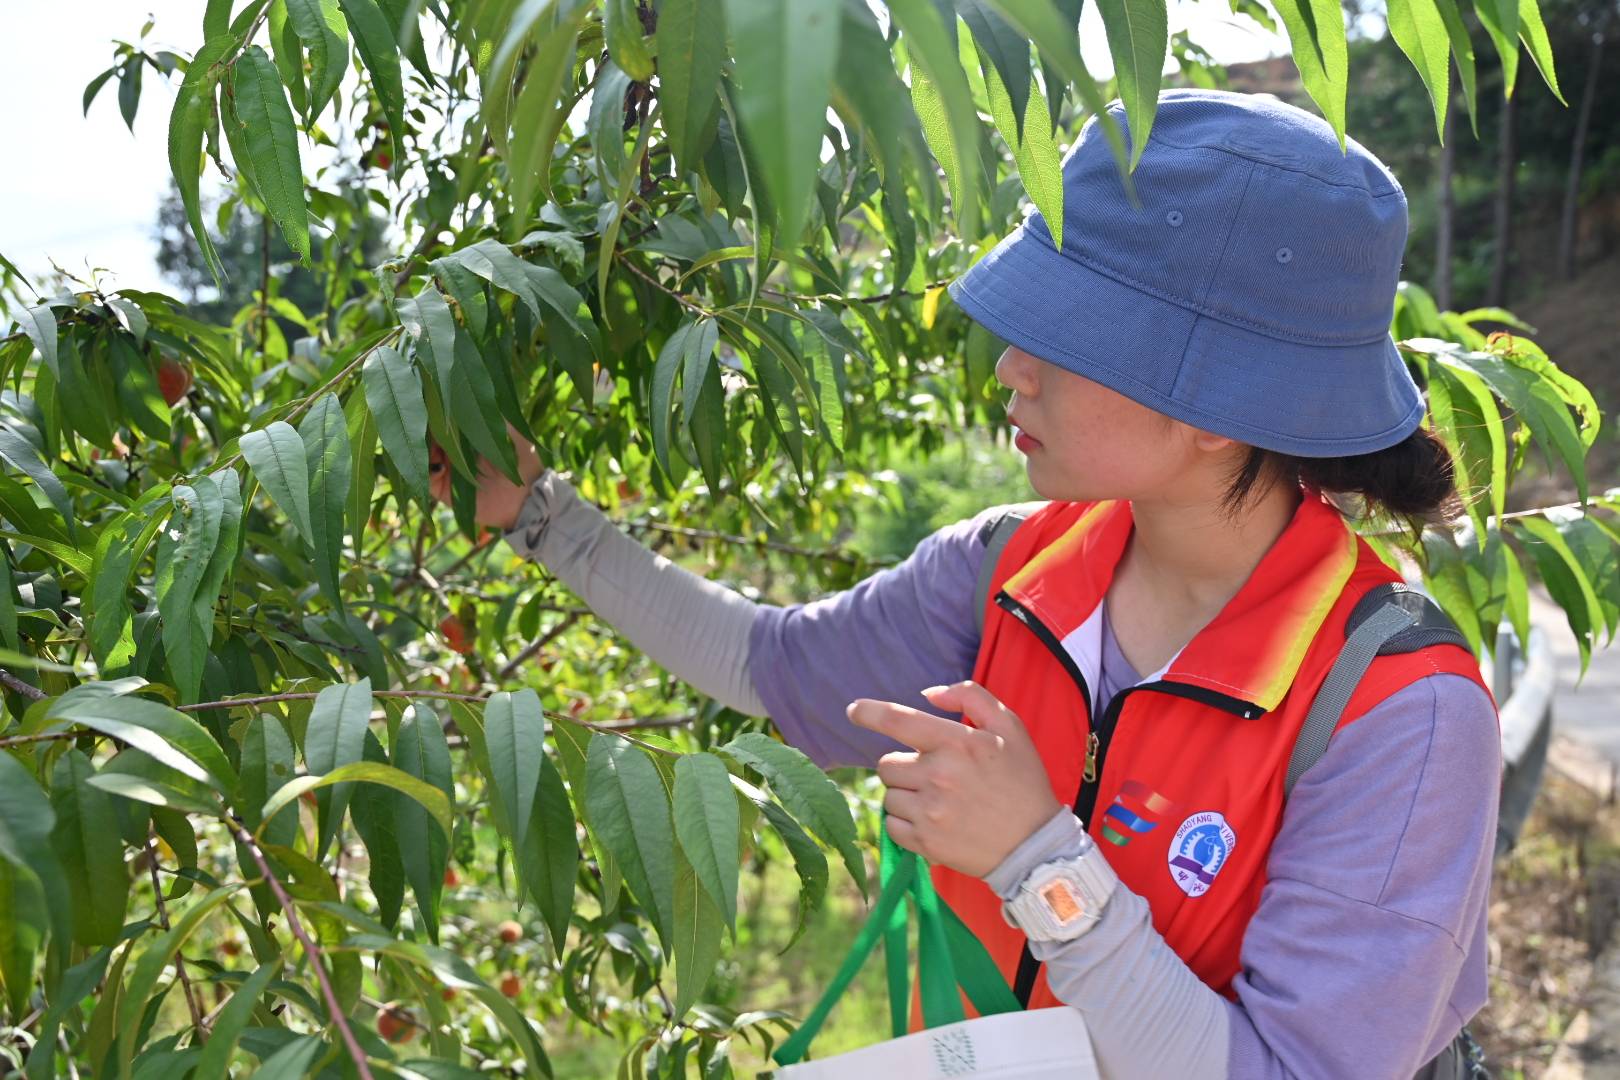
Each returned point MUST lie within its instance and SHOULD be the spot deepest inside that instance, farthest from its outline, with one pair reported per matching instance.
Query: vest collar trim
(1246, 658)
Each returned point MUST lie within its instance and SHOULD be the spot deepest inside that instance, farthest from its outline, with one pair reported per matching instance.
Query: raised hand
(499, 500)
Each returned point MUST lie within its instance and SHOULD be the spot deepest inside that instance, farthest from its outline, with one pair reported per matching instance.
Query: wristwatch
(1061, 900)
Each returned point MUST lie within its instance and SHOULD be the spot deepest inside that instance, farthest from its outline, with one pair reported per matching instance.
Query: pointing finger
(917, 729)
(979, 706)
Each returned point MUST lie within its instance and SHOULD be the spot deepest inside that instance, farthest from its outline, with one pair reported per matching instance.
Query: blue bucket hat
(1249, 294)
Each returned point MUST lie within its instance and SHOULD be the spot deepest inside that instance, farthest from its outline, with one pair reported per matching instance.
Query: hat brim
(1339, 400)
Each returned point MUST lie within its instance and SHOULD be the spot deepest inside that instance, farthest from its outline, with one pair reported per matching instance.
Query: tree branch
(179, 956)
(21, 687)
(528, 652)
(334, 1009)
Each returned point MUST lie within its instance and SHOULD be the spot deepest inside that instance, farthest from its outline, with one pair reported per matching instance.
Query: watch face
(1061, 899)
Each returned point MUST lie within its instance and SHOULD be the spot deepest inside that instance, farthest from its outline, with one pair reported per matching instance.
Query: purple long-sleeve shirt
(1368, 950)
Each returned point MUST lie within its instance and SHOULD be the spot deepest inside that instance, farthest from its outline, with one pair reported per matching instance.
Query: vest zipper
(1097, 741)
(1096, 747)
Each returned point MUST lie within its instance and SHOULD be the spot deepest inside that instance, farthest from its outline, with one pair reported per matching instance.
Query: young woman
(1192, 376)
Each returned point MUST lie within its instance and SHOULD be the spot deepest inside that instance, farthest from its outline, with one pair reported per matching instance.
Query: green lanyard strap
(948, 957)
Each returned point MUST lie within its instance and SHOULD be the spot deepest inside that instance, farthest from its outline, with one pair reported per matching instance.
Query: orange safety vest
(1186, 794)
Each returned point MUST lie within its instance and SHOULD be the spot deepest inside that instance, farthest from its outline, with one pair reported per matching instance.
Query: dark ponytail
(1411, 482)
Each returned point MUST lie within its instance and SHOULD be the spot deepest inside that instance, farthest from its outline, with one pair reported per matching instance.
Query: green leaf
(707, 824)
(785, 54)
(1462, 47)
(515, 736)
(621, 25)
(278, 459)
(808, 862)
(944, 103)
(707, 423)
(168, 736)
(1138, 39)
(373, 772)
(807, 793)
(536, 115)
(379, 49)
(132, 774)
(394, 396)
(1508, 576)
(691, 39)
(698, 927)
(1419, 30)
(1317, 44)
(1053, 27)
(21, 455)
(86, 839)
(185, 549)
(670, 360)
(228, 1023)
(606, 123)
(1565, 579)
(697, 359)
(26, 824)
(374, 813)
(335, 737)
(271, 139)
(23, 925)
(550, 857)
(39, 323)
(1551, 424)
(266, 764)
(319, 25)
(420, 750)
(193, 106)
(1005, 52)
(1040, 163)
(1500, 18)
(1534, 34)
(129, 90)
(628, 810)
(93, 87)
(292, 1060)
(328, 459)
(1491, 417)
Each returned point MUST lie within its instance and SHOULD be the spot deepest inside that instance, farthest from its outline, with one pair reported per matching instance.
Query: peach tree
(267, 706)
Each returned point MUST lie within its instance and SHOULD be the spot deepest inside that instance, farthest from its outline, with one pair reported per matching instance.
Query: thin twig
(311, 950)
(179, 954)
(21, 687)
(44, 736)
(528, 652)
(684, 301)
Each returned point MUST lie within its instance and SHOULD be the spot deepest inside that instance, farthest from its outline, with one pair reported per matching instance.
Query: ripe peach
(511, 931)
(510, 984)
(174, 379)
(395, 1024)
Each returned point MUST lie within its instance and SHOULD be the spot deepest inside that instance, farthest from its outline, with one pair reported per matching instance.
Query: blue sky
(83, 192)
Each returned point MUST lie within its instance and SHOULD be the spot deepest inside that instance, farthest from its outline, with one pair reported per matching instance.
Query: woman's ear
(1211, 443)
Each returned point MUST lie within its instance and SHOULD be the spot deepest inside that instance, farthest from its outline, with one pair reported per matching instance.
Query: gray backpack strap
(996, 533)
(1389, 619)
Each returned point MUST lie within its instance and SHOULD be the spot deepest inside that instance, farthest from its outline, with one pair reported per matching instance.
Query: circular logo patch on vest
(1199, 849)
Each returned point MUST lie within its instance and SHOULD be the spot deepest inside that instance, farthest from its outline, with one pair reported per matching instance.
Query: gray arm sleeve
(695, 628)
(1148, 1014)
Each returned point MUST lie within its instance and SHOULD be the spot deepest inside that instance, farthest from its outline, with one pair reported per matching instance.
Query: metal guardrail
(1523, 679)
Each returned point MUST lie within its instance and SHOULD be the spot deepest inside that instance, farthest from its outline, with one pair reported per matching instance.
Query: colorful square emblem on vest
(1133, 812)
(1199, 849)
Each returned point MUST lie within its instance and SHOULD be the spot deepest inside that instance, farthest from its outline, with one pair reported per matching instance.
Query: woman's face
(1094, 443)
